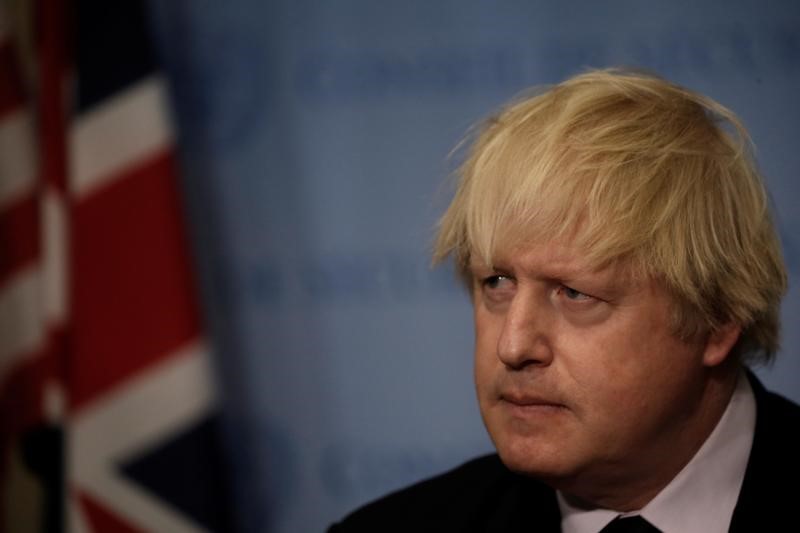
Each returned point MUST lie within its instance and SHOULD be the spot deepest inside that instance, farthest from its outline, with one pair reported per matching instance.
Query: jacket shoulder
(467, 498)
(774, 459)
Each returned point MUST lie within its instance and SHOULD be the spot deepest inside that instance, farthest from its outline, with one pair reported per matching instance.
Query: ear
(719, 344)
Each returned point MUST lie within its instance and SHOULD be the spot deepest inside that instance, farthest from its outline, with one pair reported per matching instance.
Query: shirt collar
(702, 497)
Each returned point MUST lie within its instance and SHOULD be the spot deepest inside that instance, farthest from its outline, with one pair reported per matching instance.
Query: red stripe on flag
(52, 65)
(133, 299)
(19, 236)
(101, 519)
(12, 93)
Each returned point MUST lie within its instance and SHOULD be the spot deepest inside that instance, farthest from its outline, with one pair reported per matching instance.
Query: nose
(525, 339)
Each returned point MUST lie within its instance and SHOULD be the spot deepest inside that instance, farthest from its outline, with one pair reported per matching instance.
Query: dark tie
(630, 524)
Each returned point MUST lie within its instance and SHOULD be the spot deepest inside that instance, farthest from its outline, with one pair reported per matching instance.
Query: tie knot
(630, 524)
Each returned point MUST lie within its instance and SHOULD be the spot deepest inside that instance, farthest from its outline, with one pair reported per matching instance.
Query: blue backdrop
(314, 140)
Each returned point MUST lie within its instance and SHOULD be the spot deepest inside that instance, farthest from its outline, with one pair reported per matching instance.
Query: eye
(496, 281)
(573, 294)
(493, 282)
(497, 288)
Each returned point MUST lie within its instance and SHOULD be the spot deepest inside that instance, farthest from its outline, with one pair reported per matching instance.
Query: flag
(32, 300)
(105, 381)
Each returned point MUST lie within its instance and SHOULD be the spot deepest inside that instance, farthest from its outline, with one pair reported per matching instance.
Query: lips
(529, 401)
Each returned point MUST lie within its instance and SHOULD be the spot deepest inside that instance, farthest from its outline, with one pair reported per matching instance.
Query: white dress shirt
(702, 497)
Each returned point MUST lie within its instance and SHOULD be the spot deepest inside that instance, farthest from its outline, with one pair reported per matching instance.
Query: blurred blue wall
(314, 138)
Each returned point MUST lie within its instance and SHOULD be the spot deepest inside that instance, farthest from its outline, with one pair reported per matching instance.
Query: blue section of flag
(113, 48)
(186, 471)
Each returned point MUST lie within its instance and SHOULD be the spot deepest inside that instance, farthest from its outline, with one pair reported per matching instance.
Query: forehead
(555, 256)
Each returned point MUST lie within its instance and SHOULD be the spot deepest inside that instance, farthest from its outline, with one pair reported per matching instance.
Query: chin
(535, 459)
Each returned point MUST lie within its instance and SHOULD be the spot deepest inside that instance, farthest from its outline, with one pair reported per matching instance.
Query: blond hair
(634, 169)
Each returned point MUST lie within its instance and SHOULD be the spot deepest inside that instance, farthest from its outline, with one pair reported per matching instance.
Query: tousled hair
(633, 169)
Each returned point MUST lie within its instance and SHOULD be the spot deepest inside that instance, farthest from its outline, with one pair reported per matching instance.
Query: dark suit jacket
(484, 496)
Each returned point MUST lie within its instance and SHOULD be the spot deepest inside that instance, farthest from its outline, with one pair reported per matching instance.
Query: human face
(580, 379)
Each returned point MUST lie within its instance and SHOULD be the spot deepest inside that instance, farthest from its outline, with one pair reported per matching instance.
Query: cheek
(629, 348)
(625, 380)
(486, 361)
(484, 358)
(607, 372)
(487, 331)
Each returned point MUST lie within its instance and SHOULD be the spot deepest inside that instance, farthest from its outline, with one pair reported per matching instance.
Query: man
(617, 245)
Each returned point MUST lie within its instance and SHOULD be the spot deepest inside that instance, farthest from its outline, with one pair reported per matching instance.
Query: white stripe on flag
(22, 329)
(143, 411)
(76, 522)
(17, 159)
(35, 298)
(122, 130)
(55, 244)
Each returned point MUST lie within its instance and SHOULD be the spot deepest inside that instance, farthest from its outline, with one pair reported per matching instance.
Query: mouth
(527, 404)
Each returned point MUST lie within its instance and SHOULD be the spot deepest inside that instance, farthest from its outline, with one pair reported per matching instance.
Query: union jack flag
(107, 406)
